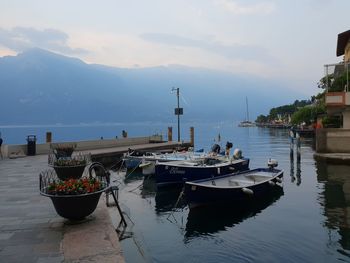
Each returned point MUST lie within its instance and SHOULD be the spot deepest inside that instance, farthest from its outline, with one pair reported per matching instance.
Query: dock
(31, 230)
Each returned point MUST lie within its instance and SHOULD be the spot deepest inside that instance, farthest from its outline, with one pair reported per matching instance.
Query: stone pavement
(31, 231)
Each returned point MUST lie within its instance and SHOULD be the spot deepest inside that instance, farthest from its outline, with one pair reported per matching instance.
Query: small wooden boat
(148, 163)
(233, 187)
(177, 172)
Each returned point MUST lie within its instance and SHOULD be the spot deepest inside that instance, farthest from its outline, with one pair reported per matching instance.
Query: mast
(246, 101)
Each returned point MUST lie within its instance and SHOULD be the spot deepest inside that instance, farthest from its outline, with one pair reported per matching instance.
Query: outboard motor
(272, 163)
(228, 147)
(237, 154)
(215, 148)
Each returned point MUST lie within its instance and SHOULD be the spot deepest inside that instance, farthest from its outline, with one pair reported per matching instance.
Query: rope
(177, 202)
(133, 170)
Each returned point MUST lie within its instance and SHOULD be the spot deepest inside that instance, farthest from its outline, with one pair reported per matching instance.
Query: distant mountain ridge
(41, 87)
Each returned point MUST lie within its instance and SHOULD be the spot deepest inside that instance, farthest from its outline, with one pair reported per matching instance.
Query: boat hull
(175, 175)
(200, 192)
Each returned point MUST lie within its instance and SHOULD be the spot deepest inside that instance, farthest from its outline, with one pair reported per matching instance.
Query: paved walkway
(31, 231)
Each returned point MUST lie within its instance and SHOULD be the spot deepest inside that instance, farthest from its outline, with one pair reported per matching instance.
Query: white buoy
(247, 191)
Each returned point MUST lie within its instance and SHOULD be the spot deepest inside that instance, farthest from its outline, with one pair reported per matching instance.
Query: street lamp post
(178, 111)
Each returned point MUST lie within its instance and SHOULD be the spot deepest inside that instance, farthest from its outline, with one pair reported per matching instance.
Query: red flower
(75, 186)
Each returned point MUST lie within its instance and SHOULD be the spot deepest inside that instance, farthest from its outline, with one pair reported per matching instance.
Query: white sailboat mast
(246, 101)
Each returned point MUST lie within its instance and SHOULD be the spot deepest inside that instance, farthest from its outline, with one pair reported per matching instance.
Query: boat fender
(272, 183)
(218, 169)
(279, 180)
(247, 191)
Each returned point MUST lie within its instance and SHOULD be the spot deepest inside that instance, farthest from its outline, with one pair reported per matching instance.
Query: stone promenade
(31, 231)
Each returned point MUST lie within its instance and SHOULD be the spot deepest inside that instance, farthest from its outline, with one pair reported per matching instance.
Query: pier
(106, 151)
(30, 229)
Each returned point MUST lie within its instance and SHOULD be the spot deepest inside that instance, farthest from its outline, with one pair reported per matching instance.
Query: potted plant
(69, 168)
(73, 198)
(63, 150)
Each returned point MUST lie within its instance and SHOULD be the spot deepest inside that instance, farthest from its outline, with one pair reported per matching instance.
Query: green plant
(70, 162)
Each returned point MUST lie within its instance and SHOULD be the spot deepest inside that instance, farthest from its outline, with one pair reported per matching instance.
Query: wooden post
(297, 136)
(48, 137)
(192, 136)
(170, 134)
(291, 145)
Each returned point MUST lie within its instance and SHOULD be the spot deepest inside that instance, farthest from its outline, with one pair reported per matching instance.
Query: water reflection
(295, 175)
(165, 199)
(204, 221)
(335, 199)
(133, 176)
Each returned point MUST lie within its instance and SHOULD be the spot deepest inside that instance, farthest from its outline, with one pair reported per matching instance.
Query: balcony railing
(336, 77)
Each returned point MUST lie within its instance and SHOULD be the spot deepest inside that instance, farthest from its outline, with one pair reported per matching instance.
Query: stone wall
(44, 148)
(333, 140)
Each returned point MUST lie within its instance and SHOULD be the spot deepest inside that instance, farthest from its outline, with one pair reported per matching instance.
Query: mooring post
(170, 134)
(297, 137)
(192, 136)
(291, 145)
(48, 137)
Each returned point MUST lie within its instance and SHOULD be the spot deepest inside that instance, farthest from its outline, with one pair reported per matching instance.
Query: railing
(336, 77)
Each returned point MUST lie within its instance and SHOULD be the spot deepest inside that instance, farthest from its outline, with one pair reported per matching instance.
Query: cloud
(263, 8)
(22, 38)
(234, 51)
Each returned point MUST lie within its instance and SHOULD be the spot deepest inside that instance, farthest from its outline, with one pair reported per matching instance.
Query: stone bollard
(48, 137)
(192, 136)
(170, 134)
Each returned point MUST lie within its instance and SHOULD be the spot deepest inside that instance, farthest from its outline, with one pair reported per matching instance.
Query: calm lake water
(308, 221)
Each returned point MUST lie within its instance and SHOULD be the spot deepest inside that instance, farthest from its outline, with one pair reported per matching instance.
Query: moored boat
(148, 163)
(177, 172)
(231, 188)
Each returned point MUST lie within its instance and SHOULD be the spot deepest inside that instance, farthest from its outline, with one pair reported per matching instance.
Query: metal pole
(178, 116)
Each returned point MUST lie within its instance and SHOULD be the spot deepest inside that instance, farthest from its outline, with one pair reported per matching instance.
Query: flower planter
(63, 150)
(63, 153)
(73, 198)
(75, 207)
(67, 172)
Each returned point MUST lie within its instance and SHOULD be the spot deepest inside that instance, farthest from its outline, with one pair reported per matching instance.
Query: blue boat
(233, 188)
(177, 172)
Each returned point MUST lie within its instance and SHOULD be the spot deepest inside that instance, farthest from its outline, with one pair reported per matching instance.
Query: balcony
(338, 99)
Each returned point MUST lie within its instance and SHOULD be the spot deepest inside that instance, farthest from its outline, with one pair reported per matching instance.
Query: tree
(307, 114)
(261, 119)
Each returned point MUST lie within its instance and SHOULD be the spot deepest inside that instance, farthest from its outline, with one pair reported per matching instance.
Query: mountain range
(41, 87)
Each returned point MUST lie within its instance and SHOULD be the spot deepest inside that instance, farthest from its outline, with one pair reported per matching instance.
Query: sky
(285, 41)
